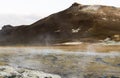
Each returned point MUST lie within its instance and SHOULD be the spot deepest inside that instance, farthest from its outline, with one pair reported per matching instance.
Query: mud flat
(66, 61)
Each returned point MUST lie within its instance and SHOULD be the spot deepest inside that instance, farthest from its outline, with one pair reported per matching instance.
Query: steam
(51, 60)
(90, 48)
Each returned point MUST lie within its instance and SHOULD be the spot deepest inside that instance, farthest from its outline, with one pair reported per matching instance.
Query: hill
(79, 22)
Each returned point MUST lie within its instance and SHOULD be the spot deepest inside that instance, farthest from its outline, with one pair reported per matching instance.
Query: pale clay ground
(73, 61)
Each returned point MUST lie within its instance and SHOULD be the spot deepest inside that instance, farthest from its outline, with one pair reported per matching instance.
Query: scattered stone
(10, 72)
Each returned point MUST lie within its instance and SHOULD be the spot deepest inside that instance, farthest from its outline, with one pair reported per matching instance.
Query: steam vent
(82, 41)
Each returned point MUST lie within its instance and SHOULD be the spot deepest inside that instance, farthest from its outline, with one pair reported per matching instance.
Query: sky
(16, 12)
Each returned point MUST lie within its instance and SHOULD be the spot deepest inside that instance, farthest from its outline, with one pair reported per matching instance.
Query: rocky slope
(10, 72)
(77, 23)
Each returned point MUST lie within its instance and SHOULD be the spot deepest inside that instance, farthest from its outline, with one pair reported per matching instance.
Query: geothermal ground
(67, 61)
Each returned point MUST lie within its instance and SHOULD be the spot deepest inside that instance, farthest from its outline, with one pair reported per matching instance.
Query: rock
(7, 27)
(10, 72)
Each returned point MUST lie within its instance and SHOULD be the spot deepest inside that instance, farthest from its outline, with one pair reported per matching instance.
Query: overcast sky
(28, 11)
(45, 7)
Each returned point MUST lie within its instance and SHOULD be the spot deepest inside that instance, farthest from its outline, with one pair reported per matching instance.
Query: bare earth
(73, 61)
